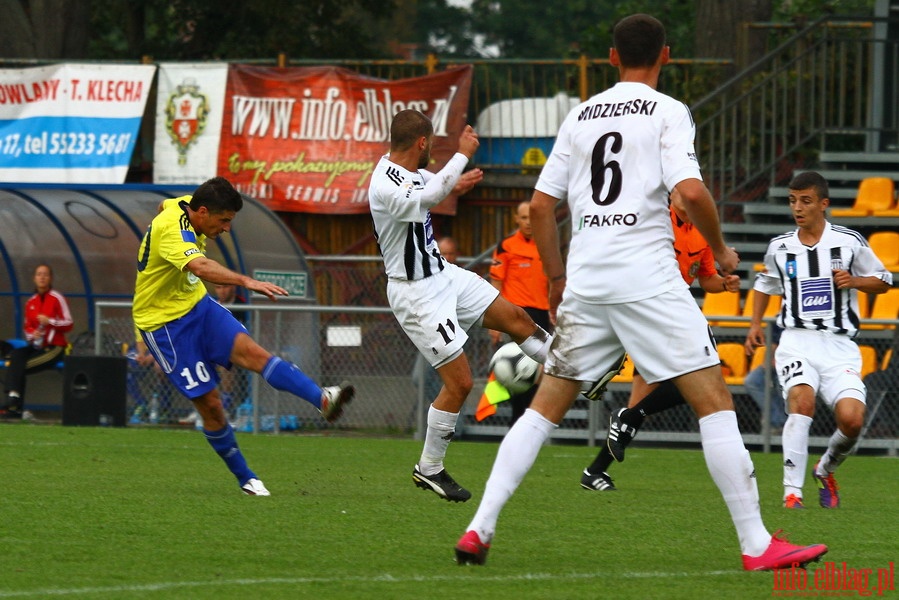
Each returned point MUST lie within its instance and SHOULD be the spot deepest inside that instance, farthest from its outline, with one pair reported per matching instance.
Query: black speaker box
(94, 390)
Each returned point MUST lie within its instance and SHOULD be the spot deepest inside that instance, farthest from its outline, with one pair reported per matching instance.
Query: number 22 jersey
(615, 158)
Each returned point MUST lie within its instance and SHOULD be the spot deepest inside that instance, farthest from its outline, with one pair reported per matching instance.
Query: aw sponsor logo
(833, 580)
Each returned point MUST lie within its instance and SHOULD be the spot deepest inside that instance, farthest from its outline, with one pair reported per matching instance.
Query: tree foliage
(33, 29)
(250, 29)
(334, 29)
(528, 29)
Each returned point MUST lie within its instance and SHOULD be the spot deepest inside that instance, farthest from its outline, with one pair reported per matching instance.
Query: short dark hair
(639, 40)
(811, 179)
(217, 195)
(407, 127)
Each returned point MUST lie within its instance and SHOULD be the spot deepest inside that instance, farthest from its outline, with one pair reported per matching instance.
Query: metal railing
(366, 346)
(821, 88)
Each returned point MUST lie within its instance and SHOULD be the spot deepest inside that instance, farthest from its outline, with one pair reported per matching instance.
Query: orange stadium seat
(874, 194)
(885, 245)
(722, 304)
(733, 355)
(886, 359)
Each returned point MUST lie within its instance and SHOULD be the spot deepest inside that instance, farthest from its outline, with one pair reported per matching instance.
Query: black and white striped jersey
(399, 201)
(803, 275)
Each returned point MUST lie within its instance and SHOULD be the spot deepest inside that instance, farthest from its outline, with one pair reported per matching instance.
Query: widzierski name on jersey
(637, 106)
(610, 220)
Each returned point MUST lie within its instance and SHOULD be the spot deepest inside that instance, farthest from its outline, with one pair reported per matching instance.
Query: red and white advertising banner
(306, 139)
(190, 102)
(71, 123)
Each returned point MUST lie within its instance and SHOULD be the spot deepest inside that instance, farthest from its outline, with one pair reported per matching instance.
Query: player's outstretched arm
(211, 271)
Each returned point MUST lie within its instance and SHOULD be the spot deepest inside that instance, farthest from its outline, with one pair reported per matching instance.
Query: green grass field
(141, 513)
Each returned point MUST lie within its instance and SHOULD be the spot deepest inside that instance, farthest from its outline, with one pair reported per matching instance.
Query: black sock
(660, 399)
(601, 462)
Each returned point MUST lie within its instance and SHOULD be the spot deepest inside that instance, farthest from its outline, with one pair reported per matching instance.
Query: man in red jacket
(47, 319)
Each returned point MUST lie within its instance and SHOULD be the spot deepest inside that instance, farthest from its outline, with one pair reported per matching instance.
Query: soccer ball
(515, 370)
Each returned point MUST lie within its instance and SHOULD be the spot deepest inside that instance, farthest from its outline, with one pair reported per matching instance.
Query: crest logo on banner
(186, 114)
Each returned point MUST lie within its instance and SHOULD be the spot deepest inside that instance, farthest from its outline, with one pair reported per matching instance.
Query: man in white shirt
(435, 301)
(819, 269)
(616, 158)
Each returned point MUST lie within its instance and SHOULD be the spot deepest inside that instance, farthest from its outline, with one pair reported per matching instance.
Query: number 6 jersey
(615, 158)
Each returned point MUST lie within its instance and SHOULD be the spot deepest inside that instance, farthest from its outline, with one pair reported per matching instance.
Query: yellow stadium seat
(770, 311)
(886, 306)
(886, 359)
(885, 245)
(869, 359)
(758, 357)
(874, 194)
(864, 305)
(722, 304)
(733, 355)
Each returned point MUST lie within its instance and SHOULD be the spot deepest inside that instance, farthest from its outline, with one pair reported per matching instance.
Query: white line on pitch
(152, 587)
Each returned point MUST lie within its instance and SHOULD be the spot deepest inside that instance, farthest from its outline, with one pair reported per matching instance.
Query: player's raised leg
(504, 316)
(287, 377)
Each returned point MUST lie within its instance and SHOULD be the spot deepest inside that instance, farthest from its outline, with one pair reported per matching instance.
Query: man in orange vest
(517, 273)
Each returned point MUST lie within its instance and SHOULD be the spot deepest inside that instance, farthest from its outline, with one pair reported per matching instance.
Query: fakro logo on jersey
(607, 220)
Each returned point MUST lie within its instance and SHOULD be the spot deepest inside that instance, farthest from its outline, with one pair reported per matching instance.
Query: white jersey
(803, 275)
(615, 159)
(399, 201)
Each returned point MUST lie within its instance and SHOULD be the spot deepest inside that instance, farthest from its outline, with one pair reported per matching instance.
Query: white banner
(189, 108)
(71, 123)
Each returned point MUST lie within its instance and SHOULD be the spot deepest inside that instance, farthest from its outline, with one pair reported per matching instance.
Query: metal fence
(826, 85)
(366, 346)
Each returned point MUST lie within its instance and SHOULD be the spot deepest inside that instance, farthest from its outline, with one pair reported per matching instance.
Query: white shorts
(830, 363)
(437, 311)
(666, 336)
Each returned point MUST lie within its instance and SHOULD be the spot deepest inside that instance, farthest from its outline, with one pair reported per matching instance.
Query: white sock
(795, 448)
(441, 427)
(516, 455)
(839, 447)
(731, 468)
(537, 345)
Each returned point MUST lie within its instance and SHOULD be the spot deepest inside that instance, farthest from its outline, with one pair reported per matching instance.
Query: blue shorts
(189, 348)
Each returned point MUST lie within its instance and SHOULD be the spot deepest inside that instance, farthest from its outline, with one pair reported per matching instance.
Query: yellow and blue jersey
(164, 290)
